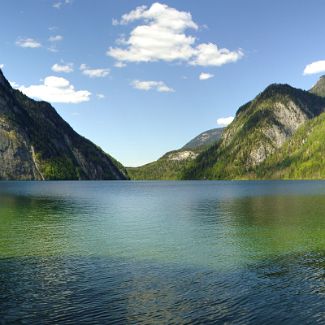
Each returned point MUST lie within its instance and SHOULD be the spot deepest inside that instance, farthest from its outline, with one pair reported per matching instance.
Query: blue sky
(140, 78)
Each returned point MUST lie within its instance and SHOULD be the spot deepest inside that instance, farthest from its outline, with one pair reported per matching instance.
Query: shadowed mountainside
(37, 144)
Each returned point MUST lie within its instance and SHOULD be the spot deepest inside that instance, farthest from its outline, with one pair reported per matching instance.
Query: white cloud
(53, 28)
(56, 38)
(1, 66)
(59, 4)
(115, 22)
(14, 84)
(94, 73)
(205, 76)
(65, 68)
(56, 90)
(119, 65)
(162, 37)
(53, 49)
(210, 55)
(100, 96)
(159, 86)
(315, 67)
(224, 121)
(28, 43)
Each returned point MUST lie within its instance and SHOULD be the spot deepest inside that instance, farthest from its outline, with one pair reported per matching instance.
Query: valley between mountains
(280, 134)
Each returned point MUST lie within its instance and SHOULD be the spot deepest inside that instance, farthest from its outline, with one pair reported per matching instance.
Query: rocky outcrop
(260, 128)
(182, 155)
(37, 144)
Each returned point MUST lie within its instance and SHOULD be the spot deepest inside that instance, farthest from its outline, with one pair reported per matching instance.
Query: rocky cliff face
(301, 157)
(260, 128)
(37, 144)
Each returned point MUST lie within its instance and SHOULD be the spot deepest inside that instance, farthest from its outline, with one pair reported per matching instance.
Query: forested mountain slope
(37, 144)
(260, 128)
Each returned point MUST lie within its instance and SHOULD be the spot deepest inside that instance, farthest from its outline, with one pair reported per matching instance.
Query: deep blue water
(162, 252)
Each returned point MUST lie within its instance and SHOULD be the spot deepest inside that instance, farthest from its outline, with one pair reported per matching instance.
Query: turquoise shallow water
(162, 252)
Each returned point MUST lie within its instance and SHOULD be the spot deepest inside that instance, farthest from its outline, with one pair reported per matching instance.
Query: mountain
(171, 165)
(204, 139)
(260, 128)
(37, 144)
(319, 87)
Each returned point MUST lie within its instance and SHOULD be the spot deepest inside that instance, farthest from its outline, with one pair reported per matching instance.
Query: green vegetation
(59, 169)
(267, 139)
(170, 166)
(279, 134)
(162, 169)
(319, 88)
(301, 157)
(260, 128)
(45, 146)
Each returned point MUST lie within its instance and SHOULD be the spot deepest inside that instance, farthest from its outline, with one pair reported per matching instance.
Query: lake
(162, 252)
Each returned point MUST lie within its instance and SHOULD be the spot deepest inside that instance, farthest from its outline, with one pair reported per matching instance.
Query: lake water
(162, 252)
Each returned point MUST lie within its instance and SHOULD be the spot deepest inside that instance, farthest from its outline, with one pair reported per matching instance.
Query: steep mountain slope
(260, 128)
(319, 87)
(36, 143)
(301, 157)
(171, 165)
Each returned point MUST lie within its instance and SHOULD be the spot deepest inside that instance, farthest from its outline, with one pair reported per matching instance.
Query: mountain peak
(37, 144)
(2, 78)
(319, 87)
(3, 81)
(276, 89)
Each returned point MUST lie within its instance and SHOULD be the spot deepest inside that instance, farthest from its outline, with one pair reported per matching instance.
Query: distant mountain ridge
(319, 87)
(172, 163)
(280, 134)
(265, 139)
(206, 139)
(37, 144)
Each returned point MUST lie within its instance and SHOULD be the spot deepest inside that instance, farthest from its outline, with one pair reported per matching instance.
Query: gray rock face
(268, 121)
(37, 144)
(259, 129)
(16, 158)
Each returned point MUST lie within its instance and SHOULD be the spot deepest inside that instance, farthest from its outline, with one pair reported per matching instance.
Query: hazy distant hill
(172, 164)
(204, 139)
(36, 143)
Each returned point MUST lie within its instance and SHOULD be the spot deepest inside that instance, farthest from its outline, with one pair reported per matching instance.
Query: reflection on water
(162, 252)
(104, 290)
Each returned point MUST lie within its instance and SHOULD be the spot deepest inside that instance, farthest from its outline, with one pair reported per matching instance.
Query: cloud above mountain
(315, 67)
(225, 121)
(56, 90)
